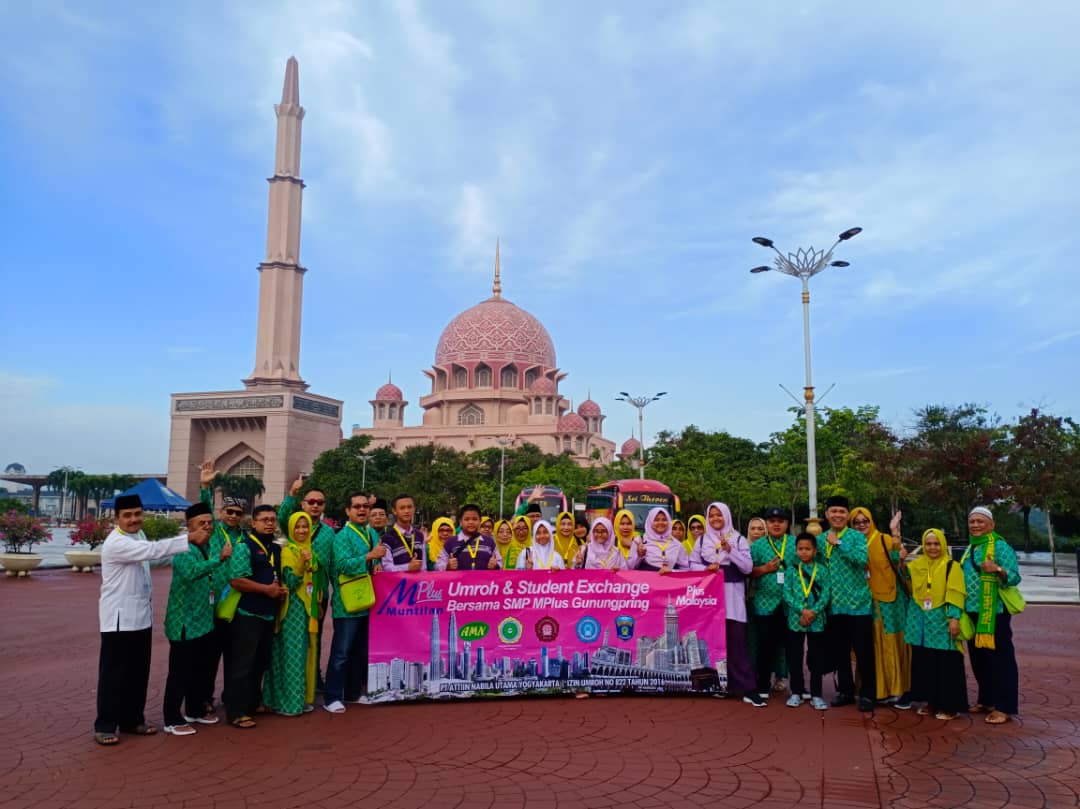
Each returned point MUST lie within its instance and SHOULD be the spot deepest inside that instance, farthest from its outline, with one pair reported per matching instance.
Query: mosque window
(440, 379)
(392, 412)
(470, 416)
(530, 376)
(382, 410)
(566, 443)
(509, 377)
(248, 466)
(580, 445)
(483, 376)
(549, 406)
(461, 377)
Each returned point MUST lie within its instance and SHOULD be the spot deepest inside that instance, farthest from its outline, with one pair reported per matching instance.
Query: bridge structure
(38, 482)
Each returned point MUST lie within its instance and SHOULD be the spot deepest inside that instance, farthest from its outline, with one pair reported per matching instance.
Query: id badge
(779, 577)
(211, 598)
(927, 604)
(310, 588)
(868, 575)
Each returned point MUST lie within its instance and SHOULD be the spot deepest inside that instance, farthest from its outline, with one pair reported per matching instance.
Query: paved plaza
(560, 752)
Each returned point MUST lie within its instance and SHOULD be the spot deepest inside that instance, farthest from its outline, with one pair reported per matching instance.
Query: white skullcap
(983, 511)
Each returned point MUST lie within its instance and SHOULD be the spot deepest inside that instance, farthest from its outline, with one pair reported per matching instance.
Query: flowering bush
(91, 532)
(17, 530)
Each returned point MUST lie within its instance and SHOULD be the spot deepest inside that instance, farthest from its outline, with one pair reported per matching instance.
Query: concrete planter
(19, 564)
(83, 561)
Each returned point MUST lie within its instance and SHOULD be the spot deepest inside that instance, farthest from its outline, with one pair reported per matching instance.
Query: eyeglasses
(315, 502)
(234, 512)
(863, 521)
(270, 518)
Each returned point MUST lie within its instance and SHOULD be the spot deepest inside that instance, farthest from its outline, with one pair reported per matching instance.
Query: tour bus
(552, 501)
(636, 496)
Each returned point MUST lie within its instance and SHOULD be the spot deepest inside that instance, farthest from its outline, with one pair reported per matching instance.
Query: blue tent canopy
(155, 496)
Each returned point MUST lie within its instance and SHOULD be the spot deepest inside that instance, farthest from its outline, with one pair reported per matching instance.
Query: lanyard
(806, 588)
(829, 550)
(783, 549)
(255, 539)
(663, 550)
(605, 564)
(412, 540)
(359, 533)
(474, 549)
(550, 561)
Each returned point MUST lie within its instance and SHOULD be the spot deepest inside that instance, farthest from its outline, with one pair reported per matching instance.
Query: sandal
(143, 730)
(243, 722)
(924, 711)
(106, 739)
(945, 716)
(979, 708)
(997, 718)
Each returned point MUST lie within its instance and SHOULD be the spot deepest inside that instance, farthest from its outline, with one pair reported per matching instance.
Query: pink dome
(588, 408)
(630, 447)
(571, 423)
(495, 330)
(542, 385)
(389, 393)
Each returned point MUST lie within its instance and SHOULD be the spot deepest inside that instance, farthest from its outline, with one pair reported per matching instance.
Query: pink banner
(460, 634)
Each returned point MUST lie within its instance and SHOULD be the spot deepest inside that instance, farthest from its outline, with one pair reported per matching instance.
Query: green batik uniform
(190, 613)
(801, 576)
(290, 678)
(221, 536)
(848, 585)
(971, 563)
(930, 628)
(351, 546)
(768, 593)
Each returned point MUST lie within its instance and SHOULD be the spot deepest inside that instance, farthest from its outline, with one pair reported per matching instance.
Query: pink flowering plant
(19, 530)
(91, 532)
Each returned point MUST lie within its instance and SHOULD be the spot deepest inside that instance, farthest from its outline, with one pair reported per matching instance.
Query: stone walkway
(602, 752)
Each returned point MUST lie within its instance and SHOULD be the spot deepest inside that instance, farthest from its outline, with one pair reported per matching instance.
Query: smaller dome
(572, 423)
(588, 408)
(389, 393)
(630, 447)
(542, 385)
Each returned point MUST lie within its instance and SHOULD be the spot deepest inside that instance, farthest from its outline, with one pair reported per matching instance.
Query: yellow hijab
(882, 574)
(618, 537)
(928, 576)
(566, 547)
(690, 540)
(435, 545)
(310, 589)
(495, 533)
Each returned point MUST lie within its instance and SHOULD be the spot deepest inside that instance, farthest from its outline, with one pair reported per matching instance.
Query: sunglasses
(234, 512)
(315, 502)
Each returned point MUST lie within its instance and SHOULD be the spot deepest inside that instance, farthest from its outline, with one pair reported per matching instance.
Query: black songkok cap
(772, 512)
(838, 500)
(126, 501)
(380, 503)
(196, 510)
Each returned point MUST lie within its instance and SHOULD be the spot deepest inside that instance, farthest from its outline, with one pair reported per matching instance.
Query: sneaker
(763, 694)
(755, 700)
(903, 705)
(806, 696)
(866, 705)
(335, 707)
(840, 700)
(209, 719)
(308, 707)
(819, 704)
(180, 730)
(794, 701)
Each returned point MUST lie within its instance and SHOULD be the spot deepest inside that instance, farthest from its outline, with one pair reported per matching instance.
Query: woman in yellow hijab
(521, 529)
(566, 544)
(695, 530)
(892, 655)
(442, 530)
(932, 628)
(289, 688)
(625, 533)
(504, 540)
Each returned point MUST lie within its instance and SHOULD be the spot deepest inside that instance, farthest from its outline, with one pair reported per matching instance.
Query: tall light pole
(364, 458)
(640, 402)
(503, 442)
(804, 264)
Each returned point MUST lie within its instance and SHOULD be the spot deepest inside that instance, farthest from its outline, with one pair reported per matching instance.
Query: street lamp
(364, 458)
(804, 264)
(640, 403)
(503, 442)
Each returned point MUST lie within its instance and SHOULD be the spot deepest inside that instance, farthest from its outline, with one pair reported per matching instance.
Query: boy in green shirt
(806, 594)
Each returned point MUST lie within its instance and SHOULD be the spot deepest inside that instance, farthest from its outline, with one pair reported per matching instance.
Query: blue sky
(625, 154)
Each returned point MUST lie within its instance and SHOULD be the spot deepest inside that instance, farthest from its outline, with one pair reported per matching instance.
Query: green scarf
(988, 592)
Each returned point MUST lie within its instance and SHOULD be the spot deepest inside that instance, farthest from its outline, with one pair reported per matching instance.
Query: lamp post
(804, 264)
(640, 402)
(364, 458)
(503, 442)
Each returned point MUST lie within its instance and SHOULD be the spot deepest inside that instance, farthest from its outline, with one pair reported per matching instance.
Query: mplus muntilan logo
(413, 598)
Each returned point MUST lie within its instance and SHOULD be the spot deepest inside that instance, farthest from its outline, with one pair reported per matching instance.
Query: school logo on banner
(624, 627)
(510, 630)
(587, 629)
(547, 629)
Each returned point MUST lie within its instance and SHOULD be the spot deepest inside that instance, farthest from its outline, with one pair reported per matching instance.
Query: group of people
(244, 600)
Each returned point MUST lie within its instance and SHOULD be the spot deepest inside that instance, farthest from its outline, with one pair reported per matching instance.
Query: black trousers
(995, 669)
(188, 678)
(220, 653)
(856, 632)
(249, 650)
(356, 671)
(816, 650)
(937, 678)
(123, 674)
(772, 631)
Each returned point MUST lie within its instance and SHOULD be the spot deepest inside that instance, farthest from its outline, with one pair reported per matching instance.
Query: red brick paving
(542, 753)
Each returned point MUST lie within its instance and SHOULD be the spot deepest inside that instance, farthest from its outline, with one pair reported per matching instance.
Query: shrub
(156, 526)
(17, 530)
(91, 532)
(11, 504)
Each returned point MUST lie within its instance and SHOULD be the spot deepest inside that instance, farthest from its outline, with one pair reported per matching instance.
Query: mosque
(494, 382)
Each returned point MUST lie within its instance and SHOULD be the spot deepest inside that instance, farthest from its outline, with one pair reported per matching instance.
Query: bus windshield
(551, 500)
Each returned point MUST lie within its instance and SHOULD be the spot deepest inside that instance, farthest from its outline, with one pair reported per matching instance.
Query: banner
(507, 633)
